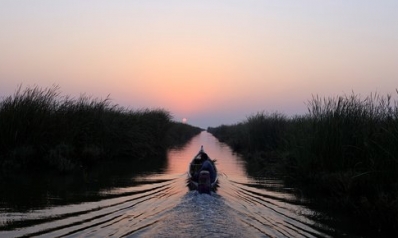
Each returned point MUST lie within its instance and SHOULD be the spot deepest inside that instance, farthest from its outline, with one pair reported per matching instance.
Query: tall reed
(259, 132)
(346, 147)
(40, 129)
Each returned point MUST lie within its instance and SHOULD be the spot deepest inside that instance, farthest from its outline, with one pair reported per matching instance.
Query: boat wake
(199, 215)
(162, 205)
(117, 212)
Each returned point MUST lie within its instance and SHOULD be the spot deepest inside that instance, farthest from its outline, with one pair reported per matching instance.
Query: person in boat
(207, 165)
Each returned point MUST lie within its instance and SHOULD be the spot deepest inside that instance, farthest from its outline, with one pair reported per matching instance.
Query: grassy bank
(343, 152)
(42, 130)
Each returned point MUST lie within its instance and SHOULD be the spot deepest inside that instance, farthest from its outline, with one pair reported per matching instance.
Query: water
(121, 202)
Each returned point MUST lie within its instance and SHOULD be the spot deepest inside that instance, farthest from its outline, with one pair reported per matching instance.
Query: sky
(210, 62)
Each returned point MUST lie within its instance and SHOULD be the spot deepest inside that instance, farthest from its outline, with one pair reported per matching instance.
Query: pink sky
(212, 62)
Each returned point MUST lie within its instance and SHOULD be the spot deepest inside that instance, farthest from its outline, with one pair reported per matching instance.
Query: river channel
(156, 202)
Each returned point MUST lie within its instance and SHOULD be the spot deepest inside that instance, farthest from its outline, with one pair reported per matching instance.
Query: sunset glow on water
(159, 204)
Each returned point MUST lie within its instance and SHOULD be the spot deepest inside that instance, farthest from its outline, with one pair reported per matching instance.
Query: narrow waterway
(159, 204)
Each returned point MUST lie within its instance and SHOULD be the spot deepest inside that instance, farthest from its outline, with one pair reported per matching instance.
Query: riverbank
(342, 155)
(40, 130)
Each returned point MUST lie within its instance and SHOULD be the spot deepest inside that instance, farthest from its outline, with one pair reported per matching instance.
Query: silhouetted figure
(207, 165)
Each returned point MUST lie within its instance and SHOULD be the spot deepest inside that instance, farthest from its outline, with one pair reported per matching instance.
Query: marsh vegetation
(343, 154)
(42, 130)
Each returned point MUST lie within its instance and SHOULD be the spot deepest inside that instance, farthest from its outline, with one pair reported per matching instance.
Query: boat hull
(200, 180)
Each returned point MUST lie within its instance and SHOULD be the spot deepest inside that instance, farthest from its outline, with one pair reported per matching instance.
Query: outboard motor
(204, 182)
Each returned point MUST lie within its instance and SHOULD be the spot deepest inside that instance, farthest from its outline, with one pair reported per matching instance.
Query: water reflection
(124, 202)
(23, 193)
(227, 162)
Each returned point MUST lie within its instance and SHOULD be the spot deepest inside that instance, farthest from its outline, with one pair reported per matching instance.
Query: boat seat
(204, 172)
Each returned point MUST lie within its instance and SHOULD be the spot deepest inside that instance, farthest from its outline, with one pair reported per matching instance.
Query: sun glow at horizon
(205, 59)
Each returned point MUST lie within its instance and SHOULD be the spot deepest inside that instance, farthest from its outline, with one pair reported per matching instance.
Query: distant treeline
(345, 149)
(41, 130)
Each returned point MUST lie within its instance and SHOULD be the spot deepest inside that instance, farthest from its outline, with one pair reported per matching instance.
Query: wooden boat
(202, 181)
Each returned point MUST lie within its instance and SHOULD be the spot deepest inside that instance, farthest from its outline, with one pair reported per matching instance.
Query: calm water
(117, 202)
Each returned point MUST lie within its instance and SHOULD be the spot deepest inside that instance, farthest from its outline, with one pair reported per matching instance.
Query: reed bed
(42, 130)
(344, 150)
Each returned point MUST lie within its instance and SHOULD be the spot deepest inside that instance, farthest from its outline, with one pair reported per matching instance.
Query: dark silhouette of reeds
(260, 132)
(345, 148)
(41, 130)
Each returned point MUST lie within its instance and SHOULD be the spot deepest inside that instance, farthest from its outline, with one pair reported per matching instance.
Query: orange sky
(212, 62)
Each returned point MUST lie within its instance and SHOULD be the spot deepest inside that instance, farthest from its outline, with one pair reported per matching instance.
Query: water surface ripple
(159, 204)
